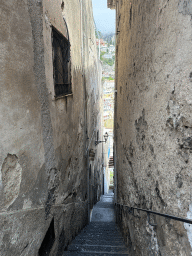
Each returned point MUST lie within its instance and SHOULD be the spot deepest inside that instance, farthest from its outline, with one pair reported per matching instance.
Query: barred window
(61, 64)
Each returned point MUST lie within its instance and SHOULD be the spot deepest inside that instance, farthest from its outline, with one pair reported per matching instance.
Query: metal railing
(131, 211)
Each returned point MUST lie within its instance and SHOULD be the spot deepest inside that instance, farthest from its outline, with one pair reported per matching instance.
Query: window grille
(61, 64)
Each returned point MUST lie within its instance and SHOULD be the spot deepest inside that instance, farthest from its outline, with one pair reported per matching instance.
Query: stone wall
(153, 124)
(44, 147)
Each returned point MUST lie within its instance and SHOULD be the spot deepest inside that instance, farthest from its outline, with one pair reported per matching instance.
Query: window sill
(63, 96)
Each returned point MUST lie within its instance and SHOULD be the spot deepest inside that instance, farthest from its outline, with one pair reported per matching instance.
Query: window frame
(62, 44)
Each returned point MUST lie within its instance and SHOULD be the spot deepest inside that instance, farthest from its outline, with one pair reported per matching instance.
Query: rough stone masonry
(153, 122)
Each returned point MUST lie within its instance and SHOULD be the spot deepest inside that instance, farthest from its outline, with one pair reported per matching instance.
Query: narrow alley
(86, 112)
(102, 236)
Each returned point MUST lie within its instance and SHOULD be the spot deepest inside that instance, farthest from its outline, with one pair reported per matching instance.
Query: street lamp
(100, 141)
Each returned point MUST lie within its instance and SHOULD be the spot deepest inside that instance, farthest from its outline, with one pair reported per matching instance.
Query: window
(97, 135)
(61, 64)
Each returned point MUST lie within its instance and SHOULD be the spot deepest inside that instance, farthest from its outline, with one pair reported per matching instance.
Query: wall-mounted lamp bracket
(101, 141)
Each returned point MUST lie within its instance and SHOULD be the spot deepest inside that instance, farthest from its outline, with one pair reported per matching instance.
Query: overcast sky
(104, 17)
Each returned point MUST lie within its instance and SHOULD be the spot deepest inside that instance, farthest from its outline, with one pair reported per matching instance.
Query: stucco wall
(93, 100)
(153, 122)
(44, 144)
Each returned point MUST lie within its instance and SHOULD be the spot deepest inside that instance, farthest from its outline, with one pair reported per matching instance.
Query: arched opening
(48, 241)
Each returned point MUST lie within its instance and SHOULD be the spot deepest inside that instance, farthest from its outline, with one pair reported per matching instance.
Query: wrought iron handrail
(156, 213)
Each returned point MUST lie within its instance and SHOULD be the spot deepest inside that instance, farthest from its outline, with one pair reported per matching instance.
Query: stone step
(94, 254)
(100, 232)
(100, 242)
(100, 225)
(97, 248)
(97, 227)
(100, 235)
(99, 238)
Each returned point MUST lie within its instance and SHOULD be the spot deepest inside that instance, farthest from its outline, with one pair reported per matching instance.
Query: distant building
(107, 56)
(104, 48)
(111, 49)
(108, 103)
(101, 41)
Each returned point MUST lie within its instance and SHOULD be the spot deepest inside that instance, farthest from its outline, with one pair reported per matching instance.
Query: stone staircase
(101, 236)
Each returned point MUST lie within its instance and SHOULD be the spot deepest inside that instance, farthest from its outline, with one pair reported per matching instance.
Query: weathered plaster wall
(44, 144)
(21, 135)
(153, 125)
(93, 106)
